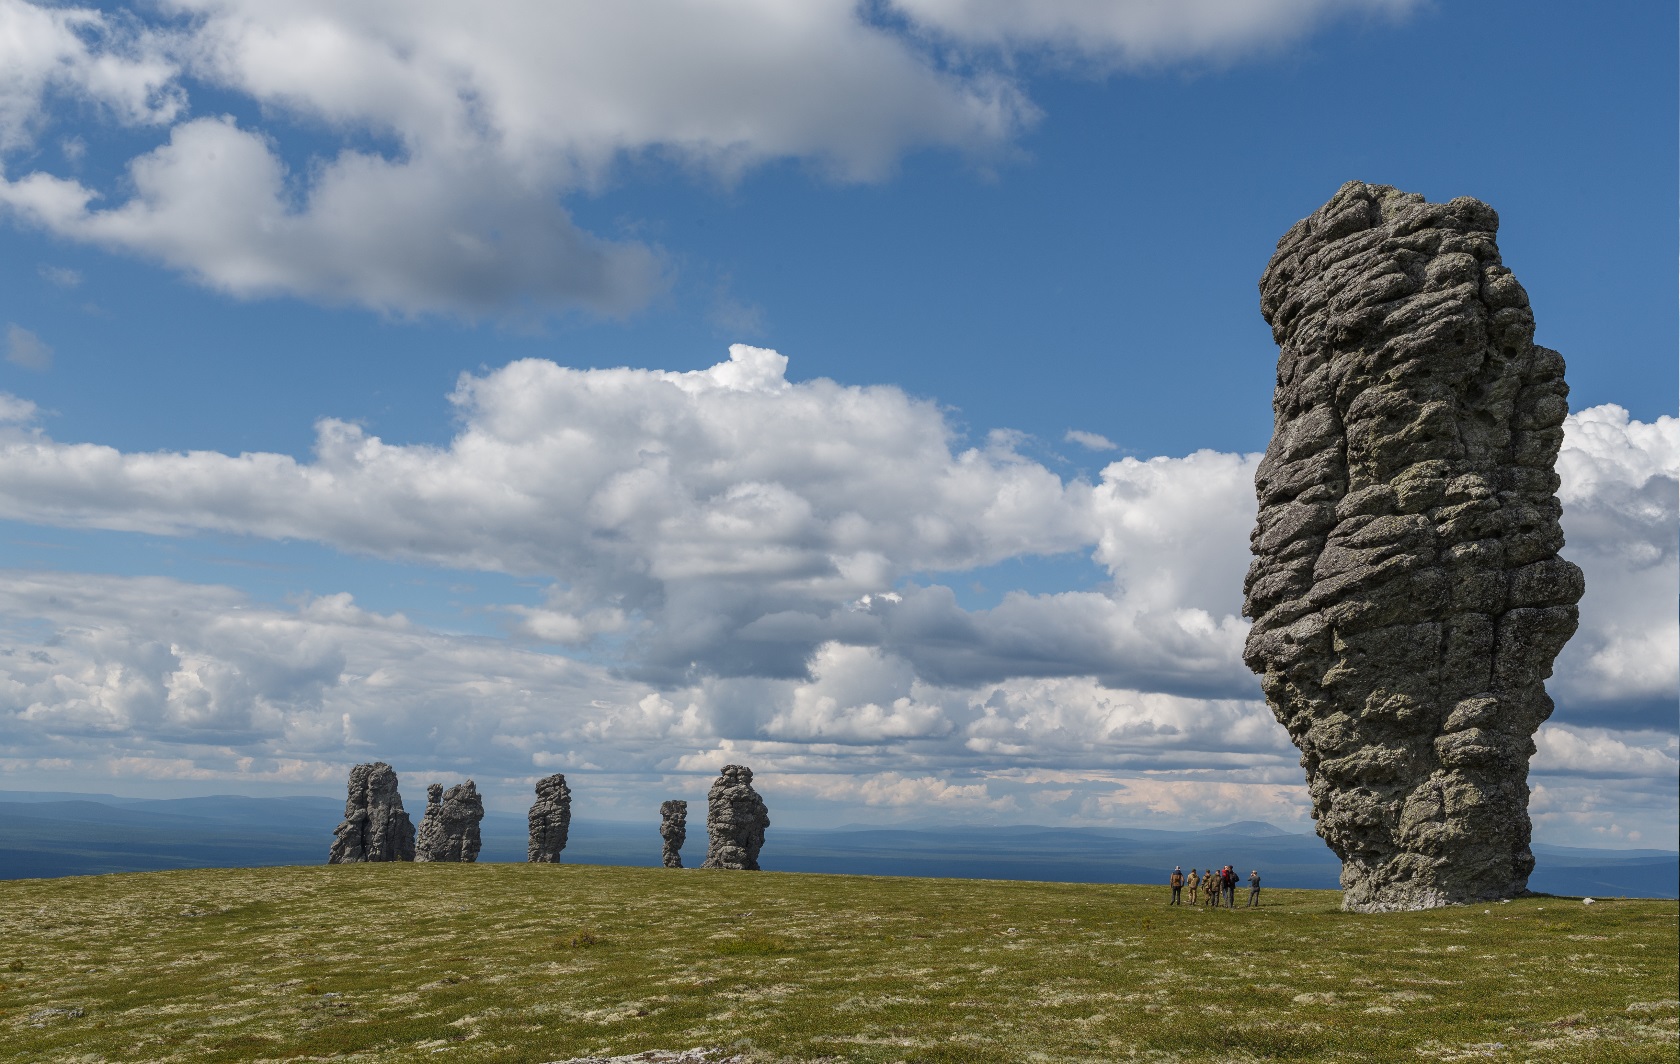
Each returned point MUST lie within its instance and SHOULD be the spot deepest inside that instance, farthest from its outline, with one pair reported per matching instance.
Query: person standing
(1229, 878)
(1177, 882)
(1193, 882)
(1254, 889)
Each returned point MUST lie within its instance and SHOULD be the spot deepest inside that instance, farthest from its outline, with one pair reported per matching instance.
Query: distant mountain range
(45, 834)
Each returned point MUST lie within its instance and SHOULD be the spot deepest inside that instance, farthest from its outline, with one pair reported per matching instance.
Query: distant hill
(47, 834)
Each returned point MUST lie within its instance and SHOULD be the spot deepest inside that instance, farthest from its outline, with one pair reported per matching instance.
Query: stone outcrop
(735, 821)
(549, 820)
(1407, 594)
(673, 830)
(449, 831)
(375, 826)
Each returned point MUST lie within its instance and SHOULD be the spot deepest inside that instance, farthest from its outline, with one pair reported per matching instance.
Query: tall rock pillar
(735, 821)
(1407, 594)
(549, 821)
(449, 831)
(375, 827)
(673, 830)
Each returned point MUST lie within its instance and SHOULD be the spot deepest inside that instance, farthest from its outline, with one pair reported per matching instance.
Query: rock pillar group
(1407, 595)
(375, 827)
(735, 821)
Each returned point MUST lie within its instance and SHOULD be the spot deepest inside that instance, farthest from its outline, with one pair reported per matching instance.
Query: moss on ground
(547, 962)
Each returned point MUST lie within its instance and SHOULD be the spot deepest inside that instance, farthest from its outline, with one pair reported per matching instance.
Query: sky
(869, 393)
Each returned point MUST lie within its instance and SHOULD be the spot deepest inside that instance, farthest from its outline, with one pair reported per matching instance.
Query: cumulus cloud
(24, 348)
(459, 235)
(1091, 441)
(1621, 517)
(728, 522)
(453, 135)
(459, 134)
(1563, 750)
(734, 511)
(15, 411)
(85, 54)
(1135, 32)
(150, 676)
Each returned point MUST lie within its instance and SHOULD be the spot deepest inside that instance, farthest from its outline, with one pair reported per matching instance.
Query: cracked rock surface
(375, 827)
(1407, 595)
(735, 821)
(550, 820)
(673, 830)
(449, 831)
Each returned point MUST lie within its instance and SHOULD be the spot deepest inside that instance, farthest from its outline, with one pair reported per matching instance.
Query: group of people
(1213, 887)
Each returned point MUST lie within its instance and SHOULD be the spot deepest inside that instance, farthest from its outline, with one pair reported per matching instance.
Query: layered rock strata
(449, 830)
(1407, 594)
(375, 827)
(735, 821)
(673, 830)
(550, 820)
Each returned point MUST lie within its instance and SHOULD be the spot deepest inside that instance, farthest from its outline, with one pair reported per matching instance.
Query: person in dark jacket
(1254, 889)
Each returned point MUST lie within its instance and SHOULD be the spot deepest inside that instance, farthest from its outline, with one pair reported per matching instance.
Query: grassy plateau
(542, 963)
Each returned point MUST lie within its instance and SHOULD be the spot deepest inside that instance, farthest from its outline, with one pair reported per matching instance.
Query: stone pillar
(1407, 594)
(375, 827)
(673, 830)
(449, 831)
(550, 820)
(735, 821)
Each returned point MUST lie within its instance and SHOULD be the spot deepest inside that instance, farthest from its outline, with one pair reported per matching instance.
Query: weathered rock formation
(549, 820)
(375, 826)
(1407, 594)
(449, 831)
(735, 821)
(673, 829)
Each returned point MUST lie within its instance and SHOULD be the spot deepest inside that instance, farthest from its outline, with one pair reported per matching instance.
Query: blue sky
(988, 225)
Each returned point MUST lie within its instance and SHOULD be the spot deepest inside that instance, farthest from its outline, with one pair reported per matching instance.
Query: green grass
(547, 962)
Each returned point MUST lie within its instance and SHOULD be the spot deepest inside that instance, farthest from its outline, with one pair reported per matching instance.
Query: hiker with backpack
(1177, 882)
(1228, 880)
(1193, 882)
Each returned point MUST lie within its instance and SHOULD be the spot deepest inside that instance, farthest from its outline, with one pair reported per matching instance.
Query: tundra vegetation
(543, 962)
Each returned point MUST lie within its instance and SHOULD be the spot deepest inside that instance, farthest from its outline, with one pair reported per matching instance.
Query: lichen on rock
(1407, 594)
(375, 827)
(735, 821)
(549, 820)
(450, 829)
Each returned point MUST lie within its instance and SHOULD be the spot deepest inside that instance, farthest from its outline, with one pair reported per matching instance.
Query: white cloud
(62, 276)
(736, 511)
(462, 236)
(1091, 441)
(454, 134)
(1621, 516)
(1599, 752)
(147, 678)
(24, 348)
(85, 54)
(1135, 32)
(728, 522)
(15, 411)
(481, 122)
